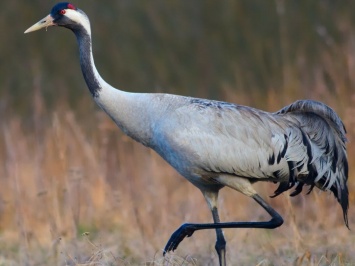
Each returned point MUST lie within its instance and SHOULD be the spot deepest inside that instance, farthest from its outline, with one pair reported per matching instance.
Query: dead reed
(78, 192)
(75, 191)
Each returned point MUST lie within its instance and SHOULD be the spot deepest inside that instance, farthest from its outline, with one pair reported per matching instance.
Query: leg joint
(220, 244)
(276, 221)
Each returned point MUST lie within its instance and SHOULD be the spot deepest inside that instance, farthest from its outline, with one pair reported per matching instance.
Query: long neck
(92, 78)
(128, 110)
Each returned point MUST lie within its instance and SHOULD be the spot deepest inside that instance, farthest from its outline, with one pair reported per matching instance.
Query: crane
(216, 144)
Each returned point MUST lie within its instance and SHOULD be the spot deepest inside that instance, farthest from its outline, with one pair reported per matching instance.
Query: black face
(58, 11)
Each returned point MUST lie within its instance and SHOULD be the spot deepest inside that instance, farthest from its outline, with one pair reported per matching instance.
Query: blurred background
(74, 189)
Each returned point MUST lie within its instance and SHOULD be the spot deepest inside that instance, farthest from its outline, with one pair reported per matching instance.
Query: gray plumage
(216, 144)
(303, 143)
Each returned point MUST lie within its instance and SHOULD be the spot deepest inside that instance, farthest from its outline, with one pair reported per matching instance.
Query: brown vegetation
(66, 177)
(75, 191)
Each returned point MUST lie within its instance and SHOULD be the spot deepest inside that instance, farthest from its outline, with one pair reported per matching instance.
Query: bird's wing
(225, 138)
(303, 144)
(325, 136)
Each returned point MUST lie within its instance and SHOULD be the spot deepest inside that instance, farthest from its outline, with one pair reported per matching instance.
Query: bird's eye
(62, 12)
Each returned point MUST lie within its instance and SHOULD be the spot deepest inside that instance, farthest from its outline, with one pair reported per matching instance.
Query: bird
(216, 144)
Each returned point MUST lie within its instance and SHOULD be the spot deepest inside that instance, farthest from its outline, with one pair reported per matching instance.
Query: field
(79, 192)
(75, 191)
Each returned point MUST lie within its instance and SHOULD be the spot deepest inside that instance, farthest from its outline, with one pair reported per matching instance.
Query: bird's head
(65, 15)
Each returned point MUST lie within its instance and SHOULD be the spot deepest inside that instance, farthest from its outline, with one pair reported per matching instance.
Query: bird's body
(203, 138)
(216, 144)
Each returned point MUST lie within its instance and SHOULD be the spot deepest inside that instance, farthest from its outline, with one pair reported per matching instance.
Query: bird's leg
(187, 230)
(221, 242)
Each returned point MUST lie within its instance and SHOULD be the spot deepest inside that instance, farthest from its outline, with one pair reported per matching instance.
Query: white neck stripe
(80, 18)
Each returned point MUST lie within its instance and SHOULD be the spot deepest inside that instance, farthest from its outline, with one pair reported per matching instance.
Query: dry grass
(69, 172)
(78, 192)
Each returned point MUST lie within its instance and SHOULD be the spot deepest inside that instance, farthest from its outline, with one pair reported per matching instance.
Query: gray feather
(303, 143)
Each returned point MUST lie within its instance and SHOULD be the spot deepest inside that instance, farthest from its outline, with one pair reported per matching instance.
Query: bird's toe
(185, 230)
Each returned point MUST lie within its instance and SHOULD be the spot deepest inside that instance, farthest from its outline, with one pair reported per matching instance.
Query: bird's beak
(43, 23)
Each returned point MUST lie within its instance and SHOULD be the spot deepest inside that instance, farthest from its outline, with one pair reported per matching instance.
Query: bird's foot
(185, 230)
